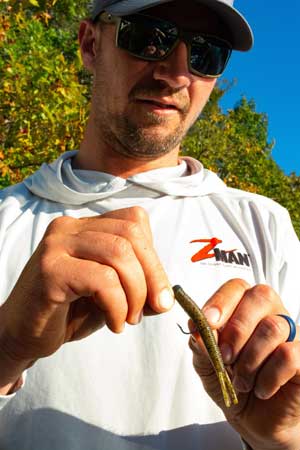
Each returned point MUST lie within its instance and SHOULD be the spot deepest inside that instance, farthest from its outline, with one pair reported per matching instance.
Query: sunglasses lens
(208, 57)
(153, 39)
(146, 38)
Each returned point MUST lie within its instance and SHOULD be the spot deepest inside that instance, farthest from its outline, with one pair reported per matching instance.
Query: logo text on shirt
(210, 250)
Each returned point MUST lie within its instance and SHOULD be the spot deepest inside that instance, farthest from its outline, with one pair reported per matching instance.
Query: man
(106, 231)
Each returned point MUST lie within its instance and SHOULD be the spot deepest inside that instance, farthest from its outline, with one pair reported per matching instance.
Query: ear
(87, 39)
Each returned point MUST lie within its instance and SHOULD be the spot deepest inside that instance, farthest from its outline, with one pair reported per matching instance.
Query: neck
(96, 154)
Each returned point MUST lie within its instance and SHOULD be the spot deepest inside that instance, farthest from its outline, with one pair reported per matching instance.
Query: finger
(203, 366)
(268, 335)
(282, 366)
(119, 221)
(201, 360)
(256, 303)
(83, 278)
(87, 318)
(116, 252)
(133, 225)
(137, 231)
(62, 225)
(135, 214)
(224, 301)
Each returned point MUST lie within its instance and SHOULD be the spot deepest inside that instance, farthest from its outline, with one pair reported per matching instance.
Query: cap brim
(242, 36)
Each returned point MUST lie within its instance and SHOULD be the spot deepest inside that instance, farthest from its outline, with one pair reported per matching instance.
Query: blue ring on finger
(293, 329)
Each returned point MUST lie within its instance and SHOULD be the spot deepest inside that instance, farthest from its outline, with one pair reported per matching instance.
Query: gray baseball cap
(242, 37)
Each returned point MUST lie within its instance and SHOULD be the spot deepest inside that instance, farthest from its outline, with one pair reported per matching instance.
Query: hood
(60, 183)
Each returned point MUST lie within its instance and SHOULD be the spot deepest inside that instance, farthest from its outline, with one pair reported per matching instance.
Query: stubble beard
(137, 139)
(142, 142)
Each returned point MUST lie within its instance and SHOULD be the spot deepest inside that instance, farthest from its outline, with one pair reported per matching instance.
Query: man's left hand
(264, 367)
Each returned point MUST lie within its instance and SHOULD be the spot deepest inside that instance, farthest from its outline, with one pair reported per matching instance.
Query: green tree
(43, 102)
(235, 145)
(44, 99)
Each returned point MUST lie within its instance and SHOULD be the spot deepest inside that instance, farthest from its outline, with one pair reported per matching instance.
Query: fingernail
(166, 298)
(260, 394)
(212, 314)
(226, 353)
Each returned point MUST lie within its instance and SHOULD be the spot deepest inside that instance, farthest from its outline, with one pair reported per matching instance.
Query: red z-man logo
(204, 252)
(210, 251)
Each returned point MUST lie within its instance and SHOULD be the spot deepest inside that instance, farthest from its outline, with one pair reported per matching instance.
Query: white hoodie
(138, 390)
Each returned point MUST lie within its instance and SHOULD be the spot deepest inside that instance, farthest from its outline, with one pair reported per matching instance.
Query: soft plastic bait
(202, 326)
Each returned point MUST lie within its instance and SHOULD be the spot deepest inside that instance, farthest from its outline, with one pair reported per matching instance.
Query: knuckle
(120, 247)
(263, 292)
(286, 355)
(238, 329)
(239, 282)
(59, 223)
(270, 328)
(138, 214)
(110, 275)
(133, 231)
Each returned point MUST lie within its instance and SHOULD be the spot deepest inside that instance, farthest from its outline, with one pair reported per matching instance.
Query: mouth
(159, 104)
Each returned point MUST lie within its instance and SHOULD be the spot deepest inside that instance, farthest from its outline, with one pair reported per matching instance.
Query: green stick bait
(202, 326)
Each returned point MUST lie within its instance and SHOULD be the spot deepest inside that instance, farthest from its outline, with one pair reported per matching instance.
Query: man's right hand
(84, 274)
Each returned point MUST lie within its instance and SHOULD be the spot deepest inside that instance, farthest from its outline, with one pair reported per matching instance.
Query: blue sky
(269, 74)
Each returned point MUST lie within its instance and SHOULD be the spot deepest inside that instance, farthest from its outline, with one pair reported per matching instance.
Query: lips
(164, 104)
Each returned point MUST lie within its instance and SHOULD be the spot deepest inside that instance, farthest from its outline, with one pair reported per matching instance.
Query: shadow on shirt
(48, 429)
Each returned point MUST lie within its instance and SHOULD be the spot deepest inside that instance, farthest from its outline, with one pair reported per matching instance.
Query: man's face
(144, 109)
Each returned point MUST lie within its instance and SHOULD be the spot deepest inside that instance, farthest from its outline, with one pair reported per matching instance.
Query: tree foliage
(43, 104)
(235, 145)
(44, 99)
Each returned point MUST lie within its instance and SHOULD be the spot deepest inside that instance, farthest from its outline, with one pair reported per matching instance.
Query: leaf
(34, 2)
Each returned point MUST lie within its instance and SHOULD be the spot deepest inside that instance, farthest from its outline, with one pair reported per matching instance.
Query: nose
(174, 70)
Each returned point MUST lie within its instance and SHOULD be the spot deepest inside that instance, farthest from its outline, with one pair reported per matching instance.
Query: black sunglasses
(153, 39)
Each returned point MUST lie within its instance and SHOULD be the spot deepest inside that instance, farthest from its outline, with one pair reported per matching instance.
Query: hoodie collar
(60, 183)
